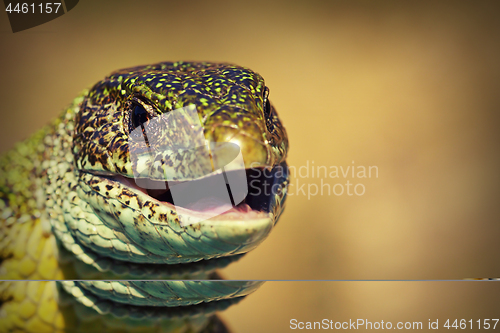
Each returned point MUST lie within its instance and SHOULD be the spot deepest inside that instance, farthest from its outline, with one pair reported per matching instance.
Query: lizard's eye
(267, 109)
(139, 115)
(267, 112)
(267, 105)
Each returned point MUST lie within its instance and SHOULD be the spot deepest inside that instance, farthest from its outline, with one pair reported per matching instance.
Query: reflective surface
(118, 306)
(276, 304)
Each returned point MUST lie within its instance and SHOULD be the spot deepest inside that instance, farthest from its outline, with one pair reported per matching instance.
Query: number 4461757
(50, 7)
(463, 324)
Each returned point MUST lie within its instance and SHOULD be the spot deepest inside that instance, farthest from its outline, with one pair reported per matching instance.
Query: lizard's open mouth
(215, 194)
(181, 222)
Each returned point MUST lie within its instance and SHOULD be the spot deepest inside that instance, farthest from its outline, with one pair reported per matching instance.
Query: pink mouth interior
(206, 205)
(214, 204)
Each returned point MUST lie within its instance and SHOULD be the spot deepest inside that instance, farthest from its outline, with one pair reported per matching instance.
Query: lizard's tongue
(213, 204)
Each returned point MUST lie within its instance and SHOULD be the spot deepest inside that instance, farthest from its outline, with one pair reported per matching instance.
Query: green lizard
(91, 196)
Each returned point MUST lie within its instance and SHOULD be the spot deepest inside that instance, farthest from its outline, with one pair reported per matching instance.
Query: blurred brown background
(412, 88)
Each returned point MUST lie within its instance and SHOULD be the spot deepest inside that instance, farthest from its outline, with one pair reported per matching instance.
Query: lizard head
(178, 162)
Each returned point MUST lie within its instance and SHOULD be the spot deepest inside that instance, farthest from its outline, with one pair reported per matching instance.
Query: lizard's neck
(27, 170)
(56, 168)
(28, 175)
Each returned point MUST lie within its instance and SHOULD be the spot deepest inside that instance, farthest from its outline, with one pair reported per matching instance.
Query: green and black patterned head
(147, 135)
(231, 101)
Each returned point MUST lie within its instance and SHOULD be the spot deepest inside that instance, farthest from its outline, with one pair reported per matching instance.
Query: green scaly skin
(69, 209)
